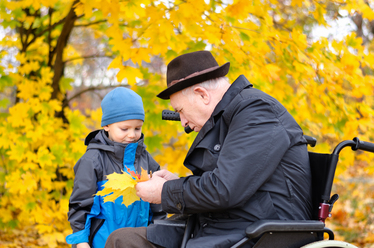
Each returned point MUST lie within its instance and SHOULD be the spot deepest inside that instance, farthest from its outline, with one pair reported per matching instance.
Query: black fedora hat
(189, 69)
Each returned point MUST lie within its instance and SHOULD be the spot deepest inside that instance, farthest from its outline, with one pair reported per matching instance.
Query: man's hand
(167, 175)
(83, 245)
(150, 191)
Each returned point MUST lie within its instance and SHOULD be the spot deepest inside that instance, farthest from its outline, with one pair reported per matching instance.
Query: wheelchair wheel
(329, 244)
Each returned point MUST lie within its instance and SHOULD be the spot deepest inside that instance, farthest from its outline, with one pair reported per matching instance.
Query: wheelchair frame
(297, 229)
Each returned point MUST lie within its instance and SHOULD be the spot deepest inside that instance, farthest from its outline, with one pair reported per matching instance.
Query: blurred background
(58, 58)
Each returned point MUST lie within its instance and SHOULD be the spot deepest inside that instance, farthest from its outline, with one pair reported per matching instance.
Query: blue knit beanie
(121, 104)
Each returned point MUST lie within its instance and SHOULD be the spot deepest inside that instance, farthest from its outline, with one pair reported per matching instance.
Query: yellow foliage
(70, 52)
(321, 82)
(122, 185)
(130, 73)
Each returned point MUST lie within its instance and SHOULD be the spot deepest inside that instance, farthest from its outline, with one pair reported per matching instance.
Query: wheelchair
(299, 233)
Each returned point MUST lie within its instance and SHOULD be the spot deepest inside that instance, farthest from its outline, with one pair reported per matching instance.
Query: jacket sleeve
(156, 212)
(152, 164)
(252, 149)
(82, 199)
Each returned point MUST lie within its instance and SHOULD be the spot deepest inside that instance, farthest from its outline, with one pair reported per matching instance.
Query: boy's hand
(167, 175)
(150, 191)
(83, 245)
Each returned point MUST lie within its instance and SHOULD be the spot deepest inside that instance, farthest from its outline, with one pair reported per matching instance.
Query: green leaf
(65, 84)
(5, 81)
(58, 153)
(4, 103)
(244, 36)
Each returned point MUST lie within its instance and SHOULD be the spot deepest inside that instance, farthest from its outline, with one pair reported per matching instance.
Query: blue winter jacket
(91, 219)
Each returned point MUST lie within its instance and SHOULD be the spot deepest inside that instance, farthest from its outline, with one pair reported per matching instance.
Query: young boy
(113, 149)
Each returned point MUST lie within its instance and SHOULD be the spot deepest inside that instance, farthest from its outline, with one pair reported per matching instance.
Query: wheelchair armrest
(167, 222)
(259, 227)
(157, 212)
(174, 220)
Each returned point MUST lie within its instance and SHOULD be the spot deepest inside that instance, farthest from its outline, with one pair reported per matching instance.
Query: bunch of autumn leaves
(123, 185)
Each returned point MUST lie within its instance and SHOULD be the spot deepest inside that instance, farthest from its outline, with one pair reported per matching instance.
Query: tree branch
(30, 30)
(90, 89)
(89, 24)
(46, 30)
(21, 36)
(50, 52)
(88, 57)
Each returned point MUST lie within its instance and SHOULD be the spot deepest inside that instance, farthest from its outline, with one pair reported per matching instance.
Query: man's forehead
(176, 100)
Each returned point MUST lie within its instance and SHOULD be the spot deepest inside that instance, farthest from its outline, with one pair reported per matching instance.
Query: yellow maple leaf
(129, 196)
(130, 73)
(122, 185)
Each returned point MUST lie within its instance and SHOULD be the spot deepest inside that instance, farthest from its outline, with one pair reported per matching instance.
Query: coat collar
(236, 87)
(99, 140)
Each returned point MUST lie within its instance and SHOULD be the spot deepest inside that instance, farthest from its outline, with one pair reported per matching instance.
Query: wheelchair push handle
(311, 140)
(363, 145)
(173, 116)
(355, 144)
(170, 115)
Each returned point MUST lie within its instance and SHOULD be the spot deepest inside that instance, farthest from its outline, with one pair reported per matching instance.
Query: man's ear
(202, 94)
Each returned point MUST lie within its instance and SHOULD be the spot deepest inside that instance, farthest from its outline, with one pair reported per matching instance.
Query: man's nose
(184, 121)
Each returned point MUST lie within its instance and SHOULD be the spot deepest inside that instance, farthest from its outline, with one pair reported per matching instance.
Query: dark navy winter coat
(249, 162)
(91, 219)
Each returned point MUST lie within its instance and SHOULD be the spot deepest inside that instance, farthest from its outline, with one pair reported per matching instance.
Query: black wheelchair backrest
(323, 168)
(320, 164)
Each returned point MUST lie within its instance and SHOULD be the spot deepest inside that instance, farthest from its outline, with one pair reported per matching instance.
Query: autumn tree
(326, 84)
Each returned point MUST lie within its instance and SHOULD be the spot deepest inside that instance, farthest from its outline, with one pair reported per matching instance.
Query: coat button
(179, 206)
(217, 147)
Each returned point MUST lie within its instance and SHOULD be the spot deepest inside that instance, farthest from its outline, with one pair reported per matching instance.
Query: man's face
(192, 111)
(125, 132)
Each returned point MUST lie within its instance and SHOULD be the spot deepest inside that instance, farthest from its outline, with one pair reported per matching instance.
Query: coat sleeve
(82, 197)
(152, 164)
(156, 212)
(254, 145)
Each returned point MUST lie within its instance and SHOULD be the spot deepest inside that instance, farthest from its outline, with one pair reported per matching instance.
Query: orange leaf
(133, 173)
(143, 176)
(139, 178)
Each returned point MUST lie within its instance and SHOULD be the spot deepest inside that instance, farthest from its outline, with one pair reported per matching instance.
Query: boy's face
(128, 131)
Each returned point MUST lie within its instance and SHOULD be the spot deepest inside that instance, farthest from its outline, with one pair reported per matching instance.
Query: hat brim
(219, 72)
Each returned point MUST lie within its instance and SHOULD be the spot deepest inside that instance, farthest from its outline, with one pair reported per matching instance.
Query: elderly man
(249, 160)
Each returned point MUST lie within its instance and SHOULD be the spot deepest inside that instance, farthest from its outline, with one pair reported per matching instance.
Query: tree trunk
(59, 65)
(62, 41)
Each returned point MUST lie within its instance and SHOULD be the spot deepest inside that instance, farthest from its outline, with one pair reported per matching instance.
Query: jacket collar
(99, 140)
(235, 88)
